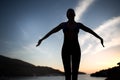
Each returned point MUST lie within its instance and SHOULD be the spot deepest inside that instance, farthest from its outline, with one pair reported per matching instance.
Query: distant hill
(101, 73)
(15, 67)
(111, 73)
(81, 73)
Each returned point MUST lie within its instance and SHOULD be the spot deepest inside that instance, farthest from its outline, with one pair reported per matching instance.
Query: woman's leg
(67, 65)
(75, 65)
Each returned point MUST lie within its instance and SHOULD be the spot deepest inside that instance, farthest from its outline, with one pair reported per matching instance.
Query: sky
(24, 22)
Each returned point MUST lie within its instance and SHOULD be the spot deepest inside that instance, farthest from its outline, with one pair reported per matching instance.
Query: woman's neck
(71, 21)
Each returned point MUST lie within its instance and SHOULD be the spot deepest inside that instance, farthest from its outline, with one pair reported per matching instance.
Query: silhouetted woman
(71, 52)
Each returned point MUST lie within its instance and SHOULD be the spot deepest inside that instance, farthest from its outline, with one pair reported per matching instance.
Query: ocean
(80, 77)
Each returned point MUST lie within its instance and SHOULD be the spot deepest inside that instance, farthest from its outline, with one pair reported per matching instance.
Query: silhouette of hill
(111, 73)
(15, 67)
(101, 73)
(81, 73)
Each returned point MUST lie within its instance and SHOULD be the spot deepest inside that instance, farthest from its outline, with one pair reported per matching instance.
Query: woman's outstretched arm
(56, 29)
(92, 32)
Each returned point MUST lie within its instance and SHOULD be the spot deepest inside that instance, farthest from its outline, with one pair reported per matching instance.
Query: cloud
(82, 7)
(92, 50)
(109, 30)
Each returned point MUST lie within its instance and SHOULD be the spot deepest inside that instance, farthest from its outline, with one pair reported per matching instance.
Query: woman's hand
(39, 42)
(102, 42)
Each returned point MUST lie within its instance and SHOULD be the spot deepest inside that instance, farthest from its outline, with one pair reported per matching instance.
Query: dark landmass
(110, 74)
(101, 73)
(81, 73)
(14, 68)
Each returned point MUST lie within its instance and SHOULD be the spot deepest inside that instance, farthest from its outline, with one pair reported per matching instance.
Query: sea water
(80, 77)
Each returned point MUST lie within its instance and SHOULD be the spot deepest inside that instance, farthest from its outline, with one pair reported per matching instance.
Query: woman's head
(70, 14)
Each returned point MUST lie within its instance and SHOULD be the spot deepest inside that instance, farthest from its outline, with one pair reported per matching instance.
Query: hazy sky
(24, 22)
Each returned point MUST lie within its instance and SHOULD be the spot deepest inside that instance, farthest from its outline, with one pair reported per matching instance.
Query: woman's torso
(71, 31)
